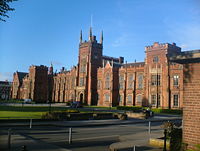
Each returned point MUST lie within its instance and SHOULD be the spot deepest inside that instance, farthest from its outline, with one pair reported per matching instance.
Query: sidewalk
(17, 141)
(139, 140)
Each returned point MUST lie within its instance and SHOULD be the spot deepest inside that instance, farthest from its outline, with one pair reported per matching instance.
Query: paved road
(86, 138)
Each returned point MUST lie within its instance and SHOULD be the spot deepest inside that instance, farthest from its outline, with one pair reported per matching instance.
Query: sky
(39, 32)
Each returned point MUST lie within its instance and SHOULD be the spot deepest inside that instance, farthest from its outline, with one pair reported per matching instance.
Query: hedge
(155, 110)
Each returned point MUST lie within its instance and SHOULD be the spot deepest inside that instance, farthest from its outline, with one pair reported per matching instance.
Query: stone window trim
(140, 81)
(107, 81)
(130, 81)
(139, 98)
(129, 98)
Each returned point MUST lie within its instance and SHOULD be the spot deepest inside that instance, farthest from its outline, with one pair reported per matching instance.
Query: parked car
(27, 100)
(76, 104)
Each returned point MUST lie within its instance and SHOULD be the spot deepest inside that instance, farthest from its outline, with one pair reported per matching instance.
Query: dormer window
(155, 59)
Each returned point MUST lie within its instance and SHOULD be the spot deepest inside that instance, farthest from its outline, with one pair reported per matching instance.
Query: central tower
(89, 59)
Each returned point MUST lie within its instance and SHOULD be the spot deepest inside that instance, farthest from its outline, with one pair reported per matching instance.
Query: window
(121, 82)
(176, 80)
(83, 68)
(83, 65)
(153, 100)
(158, 100)
(129, 99)
(81, 81)
(139, 98)
(176, 100)
(120, 98)
(107, 97)
(155, 79)
(99, 84)
(130, 81)
(155, 59)
(140, 81)
(107, 81)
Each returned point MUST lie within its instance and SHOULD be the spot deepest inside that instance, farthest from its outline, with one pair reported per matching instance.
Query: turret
(51, 69)
(81, 37)
(101, 38)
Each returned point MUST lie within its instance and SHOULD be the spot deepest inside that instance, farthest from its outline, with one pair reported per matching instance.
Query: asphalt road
(85, 138)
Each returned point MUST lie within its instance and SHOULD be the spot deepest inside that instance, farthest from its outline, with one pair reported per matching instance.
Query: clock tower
(89, 60)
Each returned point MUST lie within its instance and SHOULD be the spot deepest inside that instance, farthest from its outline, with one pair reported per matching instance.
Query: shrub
(130, 108)
(54, 115)
(168, 111)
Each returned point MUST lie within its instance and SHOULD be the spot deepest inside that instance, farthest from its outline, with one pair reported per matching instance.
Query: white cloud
(6, 76)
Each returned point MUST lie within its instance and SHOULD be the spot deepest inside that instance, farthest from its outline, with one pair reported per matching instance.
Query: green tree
(4, 8)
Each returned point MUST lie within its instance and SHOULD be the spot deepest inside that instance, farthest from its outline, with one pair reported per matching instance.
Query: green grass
(11, 101)
(25, 112)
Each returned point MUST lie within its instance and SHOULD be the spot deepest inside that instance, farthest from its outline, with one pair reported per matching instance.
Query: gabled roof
(21, 75)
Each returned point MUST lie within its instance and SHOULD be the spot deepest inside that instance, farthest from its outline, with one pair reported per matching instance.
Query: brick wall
(191, 103)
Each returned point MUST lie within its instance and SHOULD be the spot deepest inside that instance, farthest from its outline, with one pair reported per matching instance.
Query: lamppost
(49, 102)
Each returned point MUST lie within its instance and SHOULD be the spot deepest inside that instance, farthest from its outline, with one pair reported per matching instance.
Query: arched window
(107, 81)
(140, 81)
(139, 98)
(130, 81)
(129, 99)
(121, 81)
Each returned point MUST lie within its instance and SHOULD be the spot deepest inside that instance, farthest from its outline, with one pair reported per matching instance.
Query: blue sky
(45, 31)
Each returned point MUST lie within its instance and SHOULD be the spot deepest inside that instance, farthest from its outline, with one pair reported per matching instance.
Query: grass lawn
(25, 112)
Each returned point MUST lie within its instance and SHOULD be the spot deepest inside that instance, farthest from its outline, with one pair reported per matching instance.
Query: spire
(90, 34)
(101, 38)
(51, 69)
(81, 38)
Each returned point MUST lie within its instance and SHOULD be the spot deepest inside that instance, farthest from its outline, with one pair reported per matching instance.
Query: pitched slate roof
(21, 75)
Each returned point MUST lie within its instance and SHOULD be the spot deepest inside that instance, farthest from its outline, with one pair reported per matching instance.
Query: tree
(4, 8)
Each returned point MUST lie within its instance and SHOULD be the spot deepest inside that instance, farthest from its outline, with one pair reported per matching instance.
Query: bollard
(30, 123)
(9, 138)
(134, 148)
(149, 127)
(70, 135)
(165, 140)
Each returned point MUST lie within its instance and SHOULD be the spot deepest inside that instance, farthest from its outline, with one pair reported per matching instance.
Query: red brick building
(191, 96)
(33, 85)
(108, 81)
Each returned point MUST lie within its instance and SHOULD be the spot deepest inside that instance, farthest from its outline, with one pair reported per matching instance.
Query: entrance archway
(81, 97)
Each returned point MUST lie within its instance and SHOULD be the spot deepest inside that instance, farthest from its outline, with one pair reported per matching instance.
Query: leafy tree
(4, 8)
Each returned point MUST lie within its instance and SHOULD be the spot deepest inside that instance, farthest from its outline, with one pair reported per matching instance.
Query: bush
(55, 115)
(168, 111)
(130, 108)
